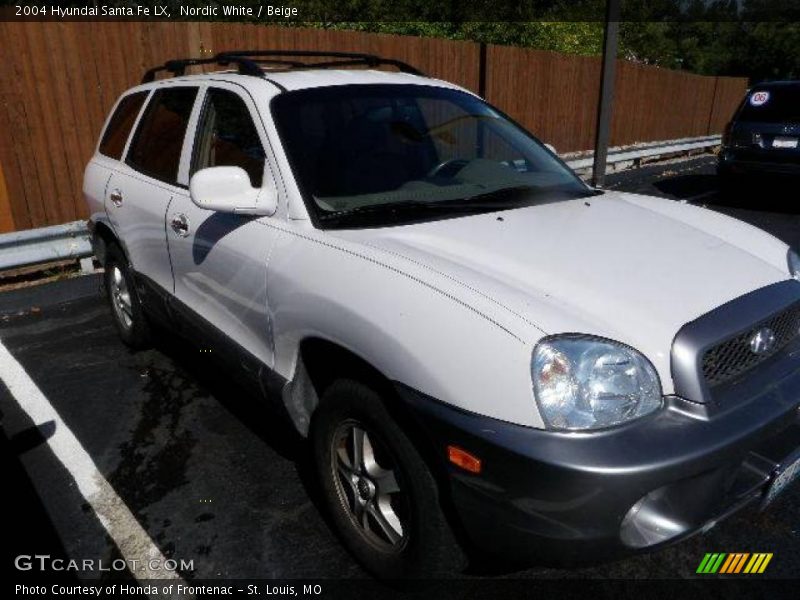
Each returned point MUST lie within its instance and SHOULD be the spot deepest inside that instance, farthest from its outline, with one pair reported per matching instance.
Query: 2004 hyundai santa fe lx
(483, 351)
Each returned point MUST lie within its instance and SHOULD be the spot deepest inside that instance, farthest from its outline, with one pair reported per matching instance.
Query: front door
(219, 260)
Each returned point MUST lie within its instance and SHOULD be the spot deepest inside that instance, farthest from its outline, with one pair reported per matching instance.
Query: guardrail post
(605, 104)
(87, 265)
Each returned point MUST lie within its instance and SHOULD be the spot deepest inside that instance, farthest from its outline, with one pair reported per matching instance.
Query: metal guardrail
(71, 240)
(625, 154)
(46, 244)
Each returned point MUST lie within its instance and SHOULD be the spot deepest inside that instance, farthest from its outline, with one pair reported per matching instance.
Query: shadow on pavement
(35, 533)
(686, 186)
(766, 194)
(263, 418)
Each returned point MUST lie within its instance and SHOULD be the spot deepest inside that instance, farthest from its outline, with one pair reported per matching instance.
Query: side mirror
(551, 148)
(228, 190)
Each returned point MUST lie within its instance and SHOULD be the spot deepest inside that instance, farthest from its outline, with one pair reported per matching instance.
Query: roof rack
(249, 61)
(178, 66)
(342, 59)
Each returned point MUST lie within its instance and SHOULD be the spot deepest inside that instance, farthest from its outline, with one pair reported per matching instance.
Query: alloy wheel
(367, 485)
(121, 297)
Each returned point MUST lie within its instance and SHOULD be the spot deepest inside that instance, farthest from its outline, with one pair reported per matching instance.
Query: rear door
(139, 192)
(110, 150)
(220, 260)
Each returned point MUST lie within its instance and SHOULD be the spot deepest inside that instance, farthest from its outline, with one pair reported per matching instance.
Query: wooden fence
(62, 78)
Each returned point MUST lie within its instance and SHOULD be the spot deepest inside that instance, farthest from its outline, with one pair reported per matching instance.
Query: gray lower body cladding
(577, 497)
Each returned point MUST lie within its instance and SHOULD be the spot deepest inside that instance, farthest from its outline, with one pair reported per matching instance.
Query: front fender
(402, 324)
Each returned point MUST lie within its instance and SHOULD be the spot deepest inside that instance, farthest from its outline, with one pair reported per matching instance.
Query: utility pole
(606, 101)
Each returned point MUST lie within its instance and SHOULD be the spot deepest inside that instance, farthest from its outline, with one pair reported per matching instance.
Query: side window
(156, 146)
(227, 136)
(120, 125)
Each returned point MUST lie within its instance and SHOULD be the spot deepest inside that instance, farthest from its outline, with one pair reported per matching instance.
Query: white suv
(483, 351)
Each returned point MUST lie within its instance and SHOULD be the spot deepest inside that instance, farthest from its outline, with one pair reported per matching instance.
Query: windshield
(776, 104)
(372, 155)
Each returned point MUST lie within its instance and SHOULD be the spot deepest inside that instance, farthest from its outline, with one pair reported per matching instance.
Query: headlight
(794, 264)
(583, 382)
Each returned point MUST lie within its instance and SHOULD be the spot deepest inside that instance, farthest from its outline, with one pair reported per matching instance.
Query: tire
(126, 308)
(392, 486)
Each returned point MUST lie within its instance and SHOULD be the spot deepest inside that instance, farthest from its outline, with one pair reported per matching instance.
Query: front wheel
(382, 497)
(126, 309)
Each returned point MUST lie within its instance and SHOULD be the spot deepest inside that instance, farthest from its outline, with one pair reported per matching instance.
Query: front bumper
(575, 497)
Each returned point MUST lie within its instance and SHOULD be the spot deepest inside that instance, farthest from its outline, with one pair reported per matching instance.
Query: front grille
(733, 357)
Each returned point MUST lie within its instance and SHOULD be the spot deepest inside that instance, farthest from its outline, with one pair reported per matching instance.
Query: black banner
(457, 589)
(364, 11)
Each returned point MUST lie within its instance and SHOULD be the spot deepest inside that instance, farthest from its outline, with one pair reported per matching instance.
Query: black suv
(764, 135)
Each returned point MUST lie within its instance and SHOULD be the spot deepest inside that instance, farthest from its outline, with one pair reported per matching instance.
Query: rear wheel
(126, 309)
(381, 495)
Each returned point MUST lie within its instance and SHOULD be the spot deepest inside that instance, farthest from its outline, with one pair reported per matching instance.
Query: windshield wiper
(499, 199)
(477, 202)
(509, 194)
(409, 206)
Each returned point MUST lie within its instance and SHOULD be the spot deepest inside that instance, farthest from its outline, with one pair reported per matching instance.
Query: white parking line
(132, 540)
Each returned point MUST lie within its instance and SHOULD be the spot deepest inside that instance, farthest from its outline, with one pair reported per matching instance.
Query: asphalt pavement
(214, 480)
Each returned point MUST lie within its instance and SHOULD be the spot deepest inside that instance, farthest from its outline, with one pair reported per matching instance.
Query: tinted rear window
(772, 105)
(157, 144)
(120, 125)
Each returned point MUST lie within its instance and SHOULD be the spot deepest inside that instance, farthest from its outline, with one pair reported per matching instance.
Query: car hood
(628, 267)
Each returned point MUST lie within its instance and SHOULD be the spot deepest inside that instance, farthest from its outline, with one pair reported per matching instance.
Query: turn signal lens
(463, 459)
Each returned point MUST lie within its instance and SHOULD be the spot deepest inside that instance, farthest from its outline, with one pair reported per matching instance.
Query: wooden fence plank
(6, 218)
(14, 144)
(56, 91)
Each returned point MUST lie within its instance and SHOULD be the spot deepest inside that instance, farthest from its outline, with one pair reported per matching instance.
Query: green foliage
(571, 37)
(754, 38)
(708, 37)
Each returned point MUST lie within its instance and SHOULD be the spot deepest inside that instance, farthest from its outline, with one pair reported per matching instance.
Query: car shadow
(256, 413)
(773, 194)
(262, 416)
(683, 187)
(38, 530)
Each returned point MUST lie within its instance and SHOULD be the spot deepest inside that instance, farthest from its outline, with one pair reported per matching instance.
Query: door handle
(116, 197)
(180, 224)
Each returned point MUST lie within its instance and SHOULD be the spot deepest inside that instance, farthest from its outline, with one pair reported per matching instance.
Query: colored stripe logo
(734, 563)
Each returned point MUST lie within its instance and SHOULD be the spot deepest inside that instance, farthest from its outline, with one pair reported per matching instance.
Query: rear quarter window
(119, 126)
(158, 141)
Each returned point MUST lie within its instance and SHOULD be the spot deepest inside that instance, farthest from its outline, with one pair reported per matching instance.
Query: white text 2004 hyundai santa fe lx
(483, 351)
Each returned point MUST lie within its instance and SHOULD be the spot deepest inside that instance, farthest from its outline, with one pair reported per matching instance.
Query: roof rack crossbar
(349, 59)
(246, 66)
(295, 64)
(248, 62)
(177, 67)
